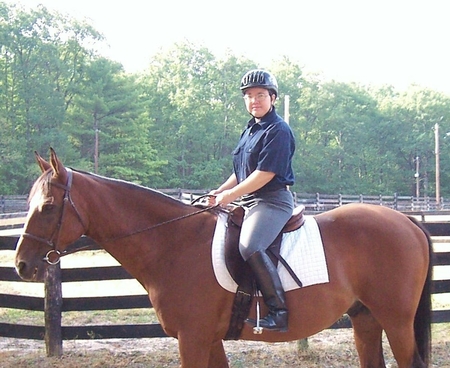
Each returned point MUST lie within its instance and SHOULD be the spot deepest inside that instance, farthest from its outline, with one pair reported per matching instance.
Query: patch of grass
(119, 316)
(19, 316)
(441, 332)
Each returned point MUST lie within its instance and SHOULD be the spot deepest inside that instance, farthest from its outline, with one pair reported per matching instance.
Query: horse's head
(53, 222)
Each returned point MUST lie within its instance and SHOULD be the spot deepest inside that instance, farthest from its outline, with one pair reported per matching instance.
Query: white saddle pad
(302, 249)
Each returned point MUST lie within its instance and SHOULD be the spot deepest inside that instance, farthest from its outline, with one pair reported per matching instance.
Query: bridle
(53, 256)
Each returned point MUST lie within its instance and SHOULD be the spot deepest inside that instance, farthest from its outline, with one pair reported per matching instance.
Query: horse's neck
(116, 211)
(150, 234)
(139, 227)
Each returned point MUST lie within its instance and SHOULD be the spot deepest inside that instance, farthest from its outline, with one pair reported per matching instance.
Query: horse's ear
(44, 165)
(56, 164)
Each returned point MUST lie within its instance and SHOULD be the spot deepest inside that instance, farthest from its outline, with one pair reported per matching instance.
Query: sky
(395, 42)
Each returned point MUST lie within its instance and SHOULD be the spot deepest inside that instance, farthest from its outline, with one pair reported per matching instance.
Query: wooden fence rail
(436, 229)
(316, 202)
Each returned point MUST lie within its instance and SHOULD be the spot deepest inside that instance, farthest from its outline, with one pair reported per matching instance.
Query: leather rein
(53, 256)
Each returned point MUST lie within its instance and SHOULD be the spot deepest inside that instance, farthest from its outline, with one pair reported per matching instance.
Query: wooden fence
(53, 305)
(14, 203)
(315, 202)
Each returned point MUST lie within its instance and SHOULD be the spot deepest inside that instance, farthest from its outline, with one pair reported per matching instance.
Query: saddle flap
(238, 268)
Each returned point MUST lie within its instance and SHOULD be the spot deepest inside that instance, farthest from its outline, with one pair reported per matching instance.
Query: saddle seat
(295, 222)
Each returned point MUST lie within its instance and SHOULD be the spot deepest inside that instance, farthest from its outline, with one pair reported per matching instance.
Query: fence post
(52, 311)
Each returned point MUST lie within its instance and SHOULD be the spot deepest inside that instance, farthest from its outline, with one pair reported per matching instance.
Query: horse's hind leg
(403, 345)
(368, 336)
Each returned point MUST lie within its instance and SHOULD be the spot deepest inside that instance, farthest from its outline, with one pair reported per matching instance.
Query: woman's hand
(212, 195)
(221, 198)
(224, 198)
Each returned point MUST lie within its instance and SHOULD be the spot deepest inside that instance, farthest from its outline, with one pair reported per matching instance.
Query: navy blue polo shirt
(266, 146)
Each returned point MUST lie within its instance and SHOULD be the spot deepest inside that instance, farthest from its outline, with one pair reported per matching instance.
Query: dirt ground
(329, 348)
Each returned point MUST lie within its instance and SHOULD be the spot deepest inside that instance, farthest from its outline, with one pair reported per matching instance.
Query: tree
(42, 54)
(105, 124)
(193, 101)
(406, 132)
(337, 148)
(176, 124)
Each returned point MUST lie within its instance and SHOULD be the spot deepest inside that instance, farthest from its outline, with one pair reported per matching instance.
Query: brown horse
(378, 262)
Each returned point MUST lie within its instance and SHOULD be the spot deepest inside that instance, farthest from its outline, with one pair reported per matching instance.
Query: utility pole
(417, 176)
(286, 109)
(96, 147)
(438, 174)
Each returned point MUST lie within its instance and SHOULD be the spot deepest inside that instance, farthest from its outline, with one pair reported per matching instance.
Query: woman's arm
(228, 184)
(256, 180)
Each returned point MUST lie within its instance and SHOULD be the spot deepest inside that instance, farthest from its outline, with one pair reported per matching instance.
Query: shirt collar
(266, 120)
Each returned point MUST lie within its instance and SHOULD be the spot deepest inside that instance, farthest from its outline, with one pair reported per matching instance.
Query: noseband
(53, 256)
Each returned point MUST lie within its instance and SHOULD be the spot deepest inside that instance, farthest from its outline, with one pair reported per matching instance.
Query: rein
(155, 226)
(53, 256)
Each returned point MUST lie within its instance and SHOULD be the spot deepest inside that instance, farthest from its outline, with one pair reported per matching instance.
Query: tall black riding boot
(270, 286)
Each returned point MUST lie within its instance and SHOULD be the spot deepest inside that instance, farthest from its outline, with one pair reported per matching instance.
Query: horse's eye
(48, 208)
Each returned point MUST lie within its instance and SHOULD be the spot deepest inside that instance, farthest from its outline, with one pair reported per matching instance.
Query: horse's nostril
(20, 266)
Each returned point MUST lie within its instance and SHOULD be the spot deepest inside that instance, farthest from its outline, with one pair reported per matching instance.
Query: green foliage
(176, 123)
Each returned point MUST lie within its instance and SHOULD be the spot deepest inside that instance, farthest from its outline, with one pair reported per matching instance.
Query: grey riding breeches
(265, 216)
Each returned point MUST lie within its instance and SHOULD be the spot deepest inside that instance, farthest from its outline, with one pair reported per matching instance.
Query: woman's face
(258, 101)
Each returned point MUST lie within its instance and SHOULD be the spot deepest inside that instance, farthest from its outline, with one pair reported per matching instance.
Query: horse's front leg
(198, 352)
(217, 356)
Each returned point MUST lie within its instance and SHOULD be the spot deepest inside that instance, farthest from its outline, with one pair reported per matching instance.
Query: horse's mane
(42, 181)
(131, 186)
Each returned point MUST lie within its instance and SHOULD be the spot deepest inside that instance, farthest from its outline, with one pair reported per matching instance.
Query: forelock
(39, 189)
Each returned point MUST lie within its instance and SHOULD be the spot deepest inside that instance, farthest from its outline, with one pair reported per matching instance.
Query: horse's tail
(422, 320)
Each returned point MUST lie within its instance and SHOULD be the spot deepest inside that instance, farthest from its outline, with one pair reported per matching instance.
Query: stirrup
(269, 322)
(265, 325)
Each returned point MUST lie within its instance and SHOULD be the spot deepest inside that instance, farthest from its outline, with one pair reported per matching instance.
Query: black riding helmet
(259, 78)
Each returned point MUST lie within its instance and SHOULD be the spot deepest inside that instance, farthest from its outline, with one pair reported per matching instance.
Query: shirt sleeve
(277, 151)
